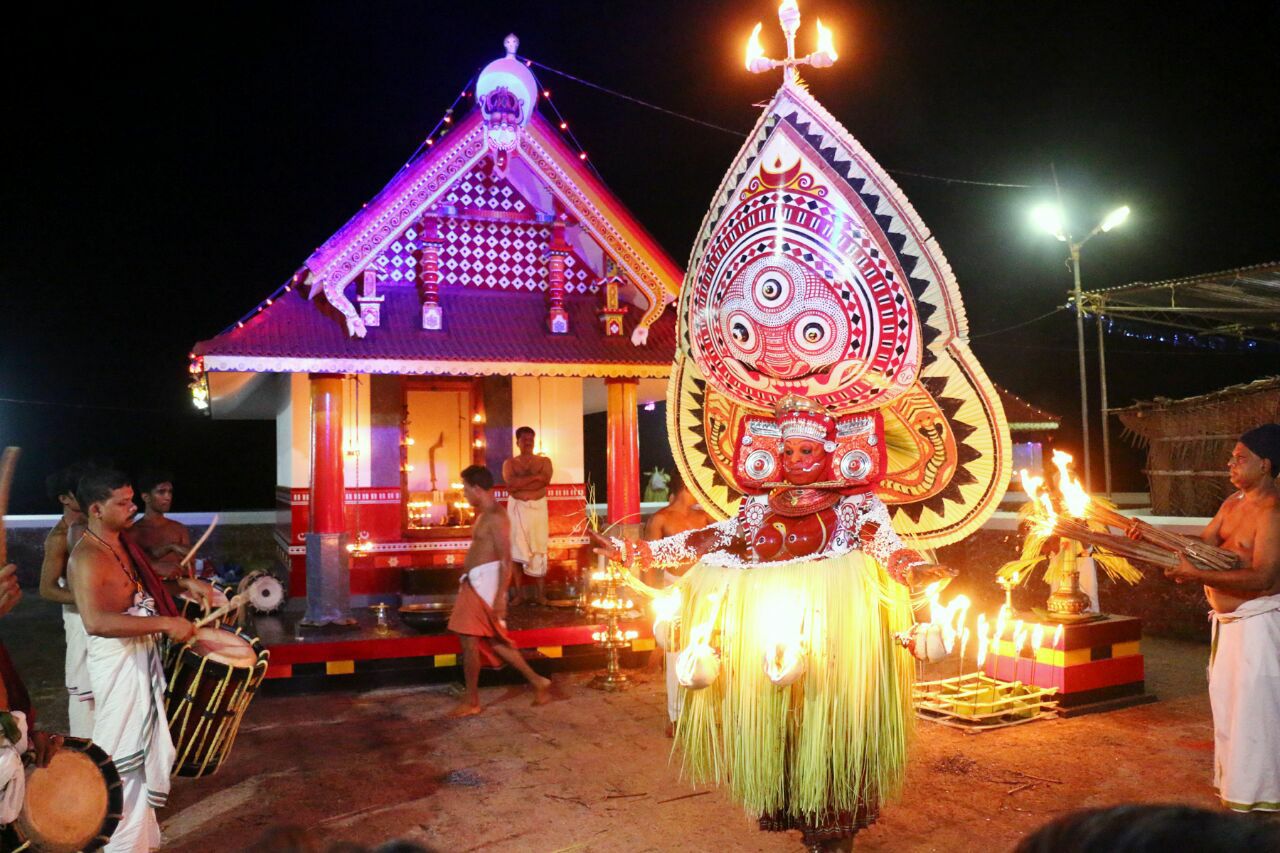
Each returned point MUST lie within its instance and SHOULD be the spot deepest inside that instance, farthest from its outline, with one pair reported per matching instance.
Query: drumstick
(237, 601)
(196, 547)
(7, 463)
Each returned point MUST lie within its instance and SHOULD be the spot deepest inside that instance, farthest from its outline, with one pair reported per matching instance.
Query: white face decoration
(780, 319)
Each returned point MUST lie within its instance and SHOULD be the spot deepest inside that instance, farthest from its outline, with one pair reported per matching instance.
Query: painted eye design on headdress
(812, 332)
(742, 331)
(772, 289)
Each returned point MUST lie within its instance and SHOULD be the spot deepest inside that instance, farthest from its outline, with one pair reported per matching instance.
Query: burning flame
(1037, 638)
(825, 43)
(665, 606)
(754, 50)
(1057, 637)
(1073, 494)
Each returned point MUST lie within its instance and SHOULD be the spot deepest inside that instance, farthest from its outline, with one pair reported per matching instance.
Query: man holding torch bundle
(1244, 664)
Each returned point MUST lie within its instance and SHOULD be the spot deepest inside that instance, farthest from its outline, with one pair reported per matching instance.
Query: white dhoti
(1244, 692)
(127, 680)
(529, 526)
(484, 580)
(79, 691)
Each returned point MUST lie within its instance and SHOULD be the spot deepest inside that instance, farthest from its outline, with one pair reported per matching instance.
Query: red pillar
(328, 509)
(557, 251)
(623, 451)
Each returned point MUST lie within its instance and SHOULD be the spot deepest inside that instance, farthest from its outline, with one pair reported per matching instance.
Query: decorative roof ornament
(506, 92)
(812, 275)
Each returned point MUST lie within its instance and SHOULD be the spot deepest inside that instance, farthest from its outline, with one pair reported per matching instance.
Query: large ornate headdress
(812, 275)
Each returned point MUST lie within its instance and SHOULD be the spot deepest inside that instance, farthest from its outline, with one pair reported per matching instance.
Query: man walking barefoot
(479, 617)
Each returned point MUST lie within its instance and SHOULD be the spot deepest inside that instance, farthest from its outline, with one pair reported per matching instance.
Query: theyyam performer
(824, 403)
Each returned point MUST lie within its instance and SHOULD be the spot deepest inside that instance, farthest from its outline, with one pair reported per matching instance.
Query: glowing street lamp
(1049, 218)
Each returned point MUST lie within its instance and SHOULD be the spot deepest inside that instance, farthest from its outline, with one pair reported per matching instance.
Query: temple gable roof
(495, 194)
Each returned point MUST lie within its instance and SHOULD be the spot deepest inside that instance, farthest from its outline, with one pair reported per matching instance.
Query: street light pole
(1084, 387)
(1050, 219)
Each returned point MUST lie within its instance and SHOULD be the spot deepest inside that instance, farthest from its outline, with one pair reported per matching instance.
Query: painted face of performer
(117, 511)
(804, 461)
(782, 320)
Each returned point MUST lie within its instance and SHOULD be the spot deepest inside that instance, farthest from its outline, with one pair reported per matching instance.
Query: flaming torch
(789, 19)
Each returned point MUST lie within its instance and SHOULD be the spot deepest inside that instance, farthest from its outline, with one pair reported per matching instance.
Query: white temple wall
(552, 405)
(356, 431)
(293, 433)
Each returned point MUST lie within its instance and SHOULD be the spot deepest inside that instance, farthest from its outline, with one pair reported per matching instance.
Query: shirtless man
(479, 617)
(61, 486)
(681, 513)
(164, 540)
(123, 657)
(527, 475)
(1244, 667)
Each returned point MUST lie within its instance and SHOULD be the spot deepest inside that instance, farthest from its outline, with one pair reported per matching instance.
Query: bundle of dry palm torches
(1153, 545)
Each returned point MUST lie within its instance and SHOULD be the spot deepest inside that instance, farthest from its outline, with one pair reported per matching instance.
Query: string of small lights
(441, 128)
(1215, 342)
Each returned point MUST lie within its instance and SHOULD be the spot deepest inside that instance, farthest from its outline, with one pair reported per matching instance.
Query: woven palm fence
(1188, 442)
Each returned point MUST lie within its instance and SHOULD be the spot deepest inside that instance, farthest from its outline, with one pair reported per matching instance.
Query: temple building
(494, 282)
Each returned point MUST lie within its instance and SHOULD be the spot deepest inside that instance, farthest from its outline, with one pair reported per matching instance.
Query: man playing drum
(479, 617)
(61, 486)
(118, 598)
(163, 540)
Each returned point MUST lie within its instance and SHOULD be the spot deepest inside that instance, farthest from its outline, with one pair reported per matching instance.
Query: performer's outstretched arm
(671, 553)
(907, 566)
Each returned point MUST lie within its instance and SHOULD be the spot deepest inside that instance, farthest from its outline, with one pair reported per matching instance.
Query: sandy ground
(593, 771)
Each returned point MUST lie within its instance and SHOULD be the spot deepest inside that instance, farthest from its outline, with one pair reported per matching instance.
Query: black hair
(478, 476)
(676, 485)
(522, 430)
(97, 485)
(1150, 829)
(151, 477)
(64, 481)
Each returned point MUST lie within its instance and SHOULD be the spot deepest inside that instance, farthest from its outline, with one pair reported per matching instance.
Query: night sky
(164, 174)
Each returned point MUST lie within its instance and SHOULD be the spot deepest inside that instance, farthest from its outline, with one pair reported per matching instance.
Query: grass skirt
(834, 741)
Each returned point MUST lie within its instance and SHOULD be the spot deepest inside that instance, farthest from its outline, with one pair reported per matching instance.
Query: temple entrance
(441, 434)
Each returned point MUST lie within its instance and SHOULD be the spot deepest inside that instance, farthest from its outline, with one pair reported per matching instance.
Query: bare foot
(465, 710)
(542, 691)
(671, 729)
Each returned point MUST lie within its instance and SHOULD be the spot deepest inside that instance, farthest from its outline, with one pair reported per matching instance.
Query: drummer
(17, 716)
(124, 608)
(163, 540)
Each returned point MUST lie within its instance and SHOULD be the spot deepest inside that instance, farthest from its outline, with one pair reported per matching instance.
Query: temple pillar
(557, 250)
(430, 244)
(623, 452)
(328, 566)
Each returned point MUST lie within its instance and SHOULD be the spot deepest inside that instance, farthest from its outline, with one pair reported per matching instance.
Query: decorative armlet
(900, 564)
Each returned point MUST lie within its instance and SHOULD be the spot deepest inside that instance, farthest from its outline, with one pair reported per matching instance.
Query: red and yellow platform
(1096, 665)
(365, 649)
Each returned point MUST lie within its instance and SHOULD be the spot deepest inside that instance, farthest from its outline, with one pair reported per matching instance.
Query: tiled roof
(488, 327)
